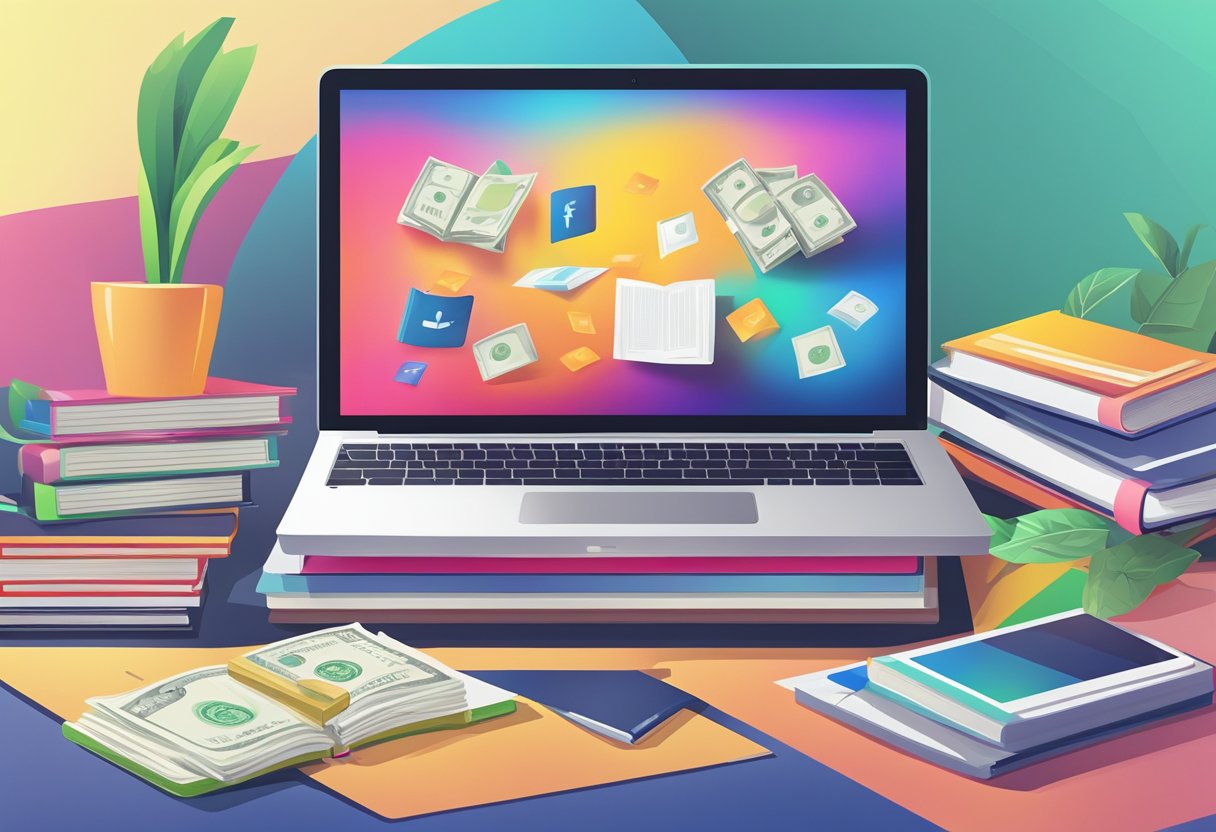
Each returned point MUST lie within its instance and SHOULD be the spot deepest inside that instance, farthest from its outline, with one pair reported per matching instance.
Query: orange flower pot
(156, 338)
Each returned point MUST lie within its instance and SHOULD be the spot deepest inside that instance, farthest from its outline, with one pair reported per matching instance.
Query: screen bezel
(911, 80)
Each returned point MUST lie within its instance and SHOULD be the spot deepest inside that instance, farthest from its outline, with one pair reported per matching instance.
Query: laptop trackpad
(666, 507)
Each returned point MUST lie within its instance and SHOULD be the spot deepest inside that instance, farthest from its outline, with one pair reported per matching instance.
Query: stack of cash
(278, 705)
(773, 212)
(455, 205)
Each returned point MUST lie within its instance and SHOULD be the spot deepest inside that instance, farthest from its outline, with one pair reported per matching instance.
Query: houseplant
(156, 337)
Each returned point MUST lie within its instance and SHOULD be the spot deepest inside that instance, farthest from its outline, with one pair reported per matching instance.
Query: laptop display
(623, 252)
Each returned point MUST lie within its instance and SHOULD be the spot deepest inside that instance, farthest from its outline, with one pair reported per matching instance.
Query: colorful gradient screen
(648, 153)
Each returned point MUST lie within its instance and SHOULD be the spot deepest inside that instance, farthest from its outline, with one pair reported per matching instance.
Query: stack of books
(987, 704)
(124, 501)
(311, 589)
(1085, 414)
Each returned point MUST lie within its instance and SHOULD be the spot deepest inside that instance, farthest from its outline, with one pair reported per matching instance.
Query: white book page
(671, 324)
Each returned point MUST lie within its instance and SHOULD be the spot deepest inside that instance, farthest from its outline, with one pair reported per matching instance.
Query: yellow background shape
(72, 71)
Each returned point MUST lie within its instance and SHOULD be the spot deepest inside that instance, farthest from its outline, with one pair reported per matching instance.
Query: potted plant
(156, 337)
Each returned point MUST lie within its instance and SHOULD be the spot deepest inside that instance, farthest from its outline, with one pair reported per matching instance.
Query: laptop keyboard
(624, 463)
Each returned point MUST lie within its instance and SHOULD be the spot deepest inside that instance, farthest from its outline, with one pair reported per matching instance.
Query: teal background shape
(1048, 120)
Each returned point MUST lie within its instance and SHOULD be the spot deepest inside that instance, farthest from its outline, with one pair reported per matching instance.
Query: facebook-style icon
(571, 212)
(435, 320)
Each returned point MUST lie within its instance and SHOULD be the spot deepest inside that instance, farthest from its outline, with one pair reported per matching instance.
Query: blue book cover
(275, 583)
(624, 705)
(1182, 453)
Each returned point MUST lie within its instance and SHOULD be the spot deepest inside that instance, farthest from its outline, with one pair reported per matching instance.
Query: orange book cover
(1111, 362)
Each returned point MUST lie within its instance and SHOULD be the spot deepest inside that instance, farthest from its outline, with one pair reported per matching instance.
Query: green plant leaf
(218, 91)
(1146, 291)
(1094, 289)
(149, 231)
(1121, 577)
(198, 55)
(216, 151)
(157, 147)
(1159, 242)
(1185, 314)
(193, 200)
(1188, 243)
(1048, 536)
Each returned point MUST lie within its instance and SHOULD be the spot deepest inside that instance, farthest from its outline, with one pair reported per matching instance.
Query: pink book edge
(335, 565)
(39, 462)
(216, 388)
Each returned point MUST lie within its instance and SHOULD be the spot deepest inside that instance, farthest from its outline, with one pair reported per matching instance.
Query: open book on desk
(671, 324)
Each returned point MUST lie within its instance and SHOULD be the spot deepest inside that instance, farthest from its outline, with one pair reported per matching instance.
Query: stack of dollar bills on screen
(285, 704)
(987, 704)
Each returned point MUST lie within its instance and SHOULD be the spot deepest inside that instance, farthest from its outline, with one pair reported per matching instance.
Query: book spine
(1110, 413)
(1129, 505)
(40, 501)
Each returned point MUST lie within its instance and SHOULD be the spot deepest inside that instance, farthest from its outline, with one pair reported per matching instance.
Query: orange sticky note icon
(450, 281)
(626, 265)
(576, 360)
(752, 320)
(642, 184)
(581, 322)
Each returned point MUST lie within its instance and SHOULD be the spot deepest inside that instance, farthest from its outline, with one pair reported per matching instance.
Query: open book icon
(672, 324)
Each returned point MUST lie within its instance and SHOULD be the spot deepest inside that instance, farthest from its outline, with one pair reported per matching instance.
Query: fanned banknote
(817, 217)
(773, 212)
(740, 196)
(455, 205)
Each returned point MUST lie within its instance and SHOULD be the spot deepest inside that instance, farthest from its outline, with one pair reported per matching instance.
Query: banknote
(817, 217)
(504, 351)
(490, 209)
(740, 196)
(817, 352)
(581, 322)
(455, 205)
(773, 177)
(204, 710)
(351, 658)
(579, 358)
(676, 233)
(436, 197)
(853, 309)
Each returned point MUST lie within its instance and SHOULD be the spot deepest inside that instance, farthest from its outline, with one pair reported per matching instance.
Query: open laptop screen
(711, 253)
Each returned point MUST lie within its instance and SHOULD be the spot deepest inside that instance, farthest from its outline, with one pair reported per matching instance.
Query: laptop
(628, 311)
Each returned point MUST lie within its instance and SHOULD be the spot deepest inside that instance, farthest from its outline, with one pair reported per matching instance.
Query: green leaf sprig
(1120, 576)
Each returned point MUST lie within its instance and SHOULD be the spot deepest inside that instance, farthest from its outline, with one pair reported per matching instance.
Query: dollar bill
(354, 660)
(436, 197)
(455, 205)
(853, 309)
(740, 196)
(817, 217)
(202, 722)
(504, 351)
(817, 352)
(773, 177)
(676, 233)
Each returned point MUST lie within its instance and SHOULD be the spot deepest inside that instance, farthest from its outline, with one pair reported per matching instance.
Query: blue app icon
(435, 320)
(410, 373)
(571, 212)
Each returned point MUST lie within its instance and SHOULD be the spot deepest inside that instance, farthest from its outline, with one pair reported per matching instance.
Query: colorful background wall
(1048, 121)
